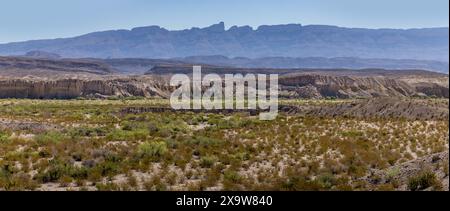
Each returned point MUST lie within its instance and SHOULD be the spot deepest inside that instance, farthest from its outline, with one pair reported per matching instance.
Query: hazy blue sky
(36, 19)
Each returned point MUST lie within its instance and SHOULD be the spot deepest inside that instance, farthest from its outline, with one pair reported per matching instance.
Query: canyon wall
(301, 86)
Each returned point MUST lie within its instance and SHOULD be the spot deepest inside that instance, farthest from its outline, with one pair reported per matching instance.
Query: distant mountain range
(293, 40)
(318, 62)
(40, 59)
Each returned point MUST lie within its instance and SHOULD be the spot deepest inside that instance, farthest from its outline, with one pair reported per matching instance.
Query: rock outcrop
(73, 88)
(306, 87)
(318, 86)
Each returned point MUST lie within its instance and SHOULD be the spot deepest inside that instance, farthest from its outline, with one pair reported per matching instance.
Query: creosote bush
(207, 161)
(155, 149)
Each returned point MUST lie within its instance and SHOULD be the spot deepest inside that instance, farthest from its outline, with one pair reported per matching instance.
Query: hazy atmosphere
(54, 18)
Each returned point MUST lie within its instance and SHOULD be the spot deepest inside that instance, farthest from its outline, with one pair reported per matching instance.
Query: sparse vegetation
(94, 145)
(422, 181)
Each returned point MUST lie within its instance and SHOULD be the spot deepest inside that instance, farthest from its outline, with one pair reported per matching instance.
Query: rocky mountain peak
(219, 27)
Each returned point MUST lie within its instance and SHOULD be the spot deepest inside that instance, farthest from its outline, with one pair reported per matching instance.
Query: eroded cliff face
(319, 86)
(301, 86)
(433, 90)
(73, 88)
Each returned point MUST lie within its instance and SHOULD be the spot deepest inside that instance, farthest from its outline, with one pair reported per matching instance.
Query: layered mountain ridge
(292, 40)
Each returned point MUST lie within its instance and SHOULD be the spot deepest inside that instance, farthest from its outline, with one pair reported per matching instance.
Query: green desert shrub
(232, 176)
(87, 132)
(205, 142)
(131, 125)
(242, 156)
(17, 182)
(140, 134)
(122, 135)
(422, 181)
(352, 133)
(152, 149)
(392, 173)
(155, 184)
(172, 143)
(172, 128)
(208, 161)
(299, 183)
(3, 137)
(56, 170)
(107, 168)
(232, 122)
(327, 181)
(109, 186)
(50, 137)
